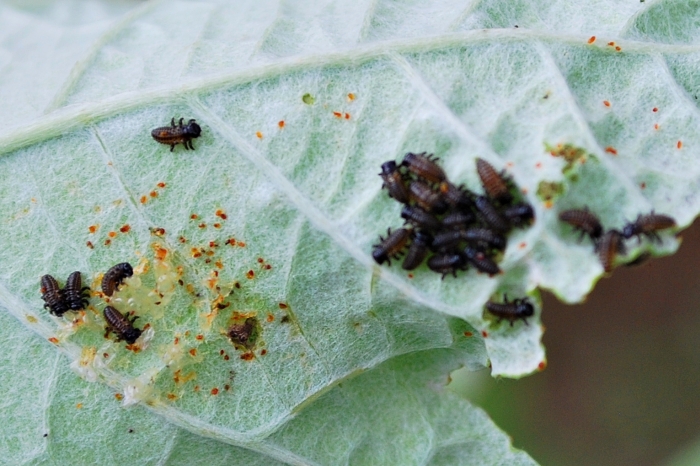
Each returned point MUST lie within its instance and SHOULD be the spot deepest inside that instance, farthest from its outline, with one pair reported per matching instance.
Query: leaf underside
(274, 214)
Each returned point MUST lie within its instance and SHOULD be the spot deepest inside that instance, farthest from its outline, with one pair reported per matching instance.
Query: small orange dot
(522, 245)
(194, 216)
(112, 234)
(679, 144)
(263, 352)
(606, 103)
(281, 124)
(118, 396)
(643, 185)
(196, 388)
(611, 44)
(93, 228)
(338, 114)
(143, 199)
(105, 355)
(351, 97)
(214, 391)
(79, 405)
(654, 109)
(171, 396)
(200, 337)
(250, 274)
(347, 116)
(611, 150)
(125, 229)
(202, 225)
(656, 126)
(591, 40)
(484, 334)
(618, 48)
(542, 365)
(154, 193)
(193, 351)
(53, 340)
(177, 340)
(161, 185)
(410, 275)
(226, 358)
(538, 165)
(90, 245)
(270, 318)
(468, 334)
(548, 204)
(240, 244)
(259, 135)
(108, 242)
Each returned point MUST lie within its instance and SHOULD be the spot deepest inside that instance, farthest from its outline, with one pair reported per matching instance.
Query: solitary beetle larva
(511, 311)
(173, 135)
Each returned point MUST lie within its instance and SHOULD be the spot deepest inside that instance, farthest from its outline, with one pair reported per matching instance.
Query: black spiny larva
(392, 246)
(446, 264)
(519, 215)
(648, 225)
(180, 134)
(420, 218)
(393, 181)
(74, 292)
(511, 311)
(115, 276)
(584, 221)
(608, 247)
(495, 184)
(121, 325)
(490, 215)
(424, 166)
(417, 251)
(481, 261)
(426, 198)
(53, 296)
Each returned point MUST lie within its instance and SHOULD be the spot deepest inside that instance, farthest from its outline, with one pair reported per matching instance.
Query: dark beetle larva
(494, 183)
(648, 225)
(584, 221)
(511, 311)
(417, 251)
(391, 246)
(115, 276)
(446, 263)
(447, 239)
(608, 247)
(426, 198)
(519, 215)
(457, 220)
(53, 296)
(121, 325)
(243, 334)
(74, 292)
(394, 182)
(485, 237)
(173, 135)
(481, 261)
(456, 196)
(490, 215)
(420, 218)
(424, 166)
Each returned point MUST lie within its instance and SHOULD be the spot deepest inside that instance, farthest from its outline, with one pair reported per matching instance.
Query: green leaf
(274, 215)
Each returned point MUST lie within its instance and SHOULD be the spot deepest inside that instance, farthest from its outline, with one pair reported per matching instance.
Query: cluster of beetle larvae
(74, 298)
(456, 226)
(611, 243)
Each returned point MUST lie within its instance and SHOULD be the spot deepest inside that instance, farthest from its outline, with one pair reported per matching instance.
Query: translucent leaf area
(271, 219)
